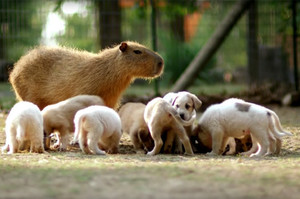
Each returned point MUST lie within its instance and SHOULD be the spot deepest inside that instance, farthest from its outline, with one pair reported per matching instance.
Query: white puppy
(59, 117)
(24, 123)
(237, 118)
(186, 104)
(160, 116)
(98, 124)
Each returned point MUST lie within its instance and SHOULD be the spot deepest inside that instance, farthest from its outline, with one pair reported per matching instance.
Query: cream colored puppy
(237, 118)
(98, 124)
(59, 117)
(133, 123)
(160, 116)
(24, 123)
(186, 105)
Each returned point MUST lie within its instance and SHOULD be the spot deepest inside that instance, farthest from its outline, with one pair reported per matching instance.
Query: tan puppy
(59, 117)
(133, 123)
(237, 118)
(98, 124)
(24, 123)
(186, 105)
(160, 116)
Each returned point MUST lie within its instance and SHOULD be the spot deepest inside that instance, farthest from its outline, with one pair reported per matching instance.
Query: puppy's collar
(174, 100)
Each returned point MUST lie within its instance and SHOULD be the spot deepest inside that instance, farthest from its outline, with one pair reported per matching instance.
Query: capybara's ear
(123, 47)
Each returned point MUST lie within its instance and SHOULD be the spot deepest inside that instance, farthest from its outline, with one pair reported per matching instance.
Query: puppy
(24, 124)
(203, 141)
(186, 104)
(133, 123)
(160, 116)
(237, 118)
(59, 117)
(98, 124)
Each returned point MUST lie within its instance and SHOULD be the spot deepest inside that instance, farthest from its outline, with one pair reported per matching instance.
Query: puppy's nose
(182, 116)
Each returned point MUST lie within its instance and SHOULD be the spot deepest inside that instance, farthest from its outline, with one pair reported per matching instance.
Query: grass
(207, 89)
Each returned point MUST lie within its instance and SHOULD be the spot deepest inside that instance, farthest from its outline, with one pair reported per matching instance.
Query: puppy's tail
(80, 135)
(175, 114)
(275, 125)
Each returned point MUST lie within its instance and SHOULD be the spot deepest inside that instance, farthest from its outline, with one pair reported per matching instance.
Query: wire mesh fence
(183, 28)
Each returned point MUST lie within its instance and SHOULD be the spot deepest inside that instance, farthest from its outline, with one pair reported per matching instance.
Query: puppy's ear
(196, 101)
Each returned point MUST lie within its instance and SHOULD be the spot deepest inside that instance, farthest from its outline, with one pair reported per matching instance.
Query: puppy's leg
(83, 141)
(36, 145)
(12, 139)
(253, 149)
(217, 138)
(169, 141)
(278, 146)
(156, 135)
(114, 140)
(146, 139)
(180, 132)
(177, 146)
(5, 148)
(232, 146)
(272, 140)
(261, 135)
(93, 139)
(136, 141)
(64, 141)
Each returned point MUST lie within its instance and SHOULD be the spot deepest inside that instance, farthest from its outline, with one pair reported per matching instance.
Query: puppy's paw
(211, 154)
(151, 153)
(74, 143)
(188, 154)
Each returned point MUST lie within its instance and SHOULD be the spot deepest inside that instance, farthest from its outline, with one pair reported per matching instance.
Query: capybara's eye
(137, 52)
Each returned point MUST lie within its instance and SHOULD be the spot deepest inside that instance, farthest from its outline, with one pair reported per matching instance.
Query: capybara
(24, 124)
(133, 123)
(59, 117)
(98, 125)
(47, 75)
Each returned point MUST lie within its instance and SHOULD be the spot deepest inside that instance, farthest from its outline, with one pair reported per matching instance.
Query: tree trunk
(109, 22)
(204, 55)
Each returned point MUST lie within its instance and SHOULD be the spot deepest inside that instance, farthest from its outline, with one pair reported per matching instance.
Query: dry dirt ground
(72, 174)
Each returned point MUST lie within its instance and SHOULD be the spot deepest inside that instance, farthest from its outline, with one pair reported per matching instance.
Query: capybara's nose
(160, 64)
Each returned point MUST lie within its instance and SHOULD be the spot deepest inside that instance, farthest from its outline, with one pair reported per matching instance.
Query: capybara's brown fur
(47, 75)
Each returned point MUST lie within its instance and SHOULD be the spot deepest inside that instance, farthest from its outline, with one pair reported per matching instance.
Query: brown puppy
(48, 75)
(133, 123)
(59, 117)
(161, 117)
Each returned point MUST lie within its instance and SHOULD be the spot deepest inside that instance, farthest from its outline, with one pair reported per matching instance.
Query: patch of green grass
(7, 98)
(198, 89)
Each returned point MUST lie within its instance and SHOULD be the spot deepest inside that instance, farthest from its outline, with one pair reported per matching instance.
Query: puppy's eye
(137, 52)
(177, 106)
(187, 106)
